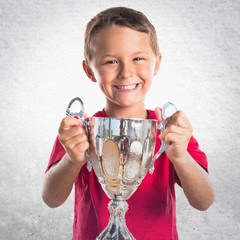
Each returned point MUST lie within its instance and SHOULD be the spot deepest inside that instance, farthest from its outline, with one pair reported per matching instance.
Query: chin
(128, 104)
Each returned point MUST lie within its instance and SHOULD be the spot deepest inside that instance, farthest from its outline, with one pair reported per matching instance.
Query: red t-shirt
(152, 208)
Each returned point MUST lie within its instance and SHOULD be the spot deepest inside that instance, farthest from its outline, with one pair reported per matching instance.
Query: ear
(87, 69)
(157, 64)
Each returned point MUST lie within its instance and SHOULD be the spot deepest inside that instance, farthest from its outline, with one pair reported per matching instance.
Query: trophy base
(116, 228)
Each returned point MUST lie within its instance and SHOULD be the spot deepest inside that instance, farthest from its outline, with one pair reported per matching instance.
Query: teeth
(129, 87)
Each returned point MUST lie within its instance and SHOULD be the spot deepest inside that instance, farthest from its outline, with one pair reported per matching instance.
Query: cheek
(146, 72)
(105, 81)
(106, 75)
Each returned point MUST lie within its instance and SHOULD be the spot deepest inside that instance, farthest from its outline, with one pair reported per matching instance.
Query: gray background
(41, 49)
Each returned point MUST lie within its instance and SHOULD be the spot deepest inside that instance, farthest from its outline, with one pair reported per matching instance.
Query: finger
(71, 133)
(71, 143)
(173, 129)
(92, 122)
(79, 151)
(179, 118)
(67, 123)
(81, 147)
(158, 113)
(171, 138)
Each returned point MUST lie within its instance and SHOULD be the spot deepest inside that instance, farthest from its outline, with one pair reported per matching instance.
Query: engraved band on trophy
(121, 152)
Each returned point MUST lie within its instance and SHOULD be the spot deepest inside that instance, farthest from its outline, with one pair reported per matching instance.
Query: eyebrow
(141, 53)
(136, 53)
(107, 55)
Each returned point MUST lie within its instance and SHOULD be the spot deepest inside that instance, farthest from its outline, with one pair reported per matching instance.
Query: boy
(122, 55)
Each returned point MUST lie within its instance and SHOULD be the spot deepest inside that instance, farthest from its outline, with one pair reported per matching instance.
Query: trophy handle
(79, 115)
(161, 127)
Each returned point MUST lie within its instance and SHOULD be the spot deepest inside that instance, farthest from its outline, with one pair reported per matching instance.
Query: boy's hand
(176, 135)
(73, 137)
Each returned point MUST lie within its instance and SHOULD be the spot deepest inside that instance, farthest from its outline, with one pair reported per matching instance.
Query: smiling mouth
(126, 87)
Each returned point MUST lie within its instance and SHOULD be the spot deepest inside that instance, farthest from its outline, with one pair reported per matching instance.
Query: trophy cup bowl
(121, 152)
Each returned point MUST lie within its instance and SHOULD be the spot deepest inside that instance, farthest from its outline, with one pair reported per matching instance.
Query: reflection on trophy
(121, 152)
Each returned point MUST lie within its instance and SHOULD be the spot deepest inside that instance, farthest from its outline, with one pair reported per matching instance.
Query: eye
(111, 62)
(137, 59)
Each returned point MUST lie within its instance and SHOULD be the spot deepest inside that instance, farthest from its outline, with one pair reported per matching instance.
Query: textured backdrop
(41, 49)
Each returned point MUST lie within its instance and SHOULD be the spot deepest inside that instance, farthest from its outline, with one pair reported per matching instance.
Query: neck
(138, 111)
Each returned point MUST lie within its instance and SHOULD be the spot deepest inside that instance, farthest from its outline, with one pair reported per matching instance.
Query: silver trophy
(121, 152)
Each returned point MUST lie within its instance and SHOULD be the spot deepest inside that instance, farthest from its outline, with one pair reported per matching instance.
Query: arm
(59, 180)
(193, 177)
(195, 183)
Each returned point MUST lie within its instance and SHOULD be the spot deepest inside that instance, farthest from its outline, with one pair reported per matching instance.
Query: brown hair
(118, 16)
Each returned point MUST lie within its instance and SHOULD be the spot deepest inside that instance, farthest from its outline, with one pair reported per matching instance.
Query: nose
(126, 70)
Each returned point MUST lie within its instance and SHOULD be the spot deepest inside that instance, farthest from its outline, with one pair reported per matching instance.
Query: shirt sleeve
(57, 153)
(198, 155)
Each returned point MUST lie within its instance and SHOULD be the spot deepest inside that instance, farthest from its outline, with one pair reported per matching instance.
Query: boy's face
(123, 64)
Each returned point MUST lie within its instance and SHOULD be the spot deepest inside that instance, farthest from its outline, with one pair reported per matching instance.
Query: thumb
(158, 112)
(85, 116)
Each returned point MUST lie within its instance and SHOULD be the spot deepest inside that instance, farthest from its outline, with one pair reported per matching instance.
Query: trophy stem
(116, 228)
